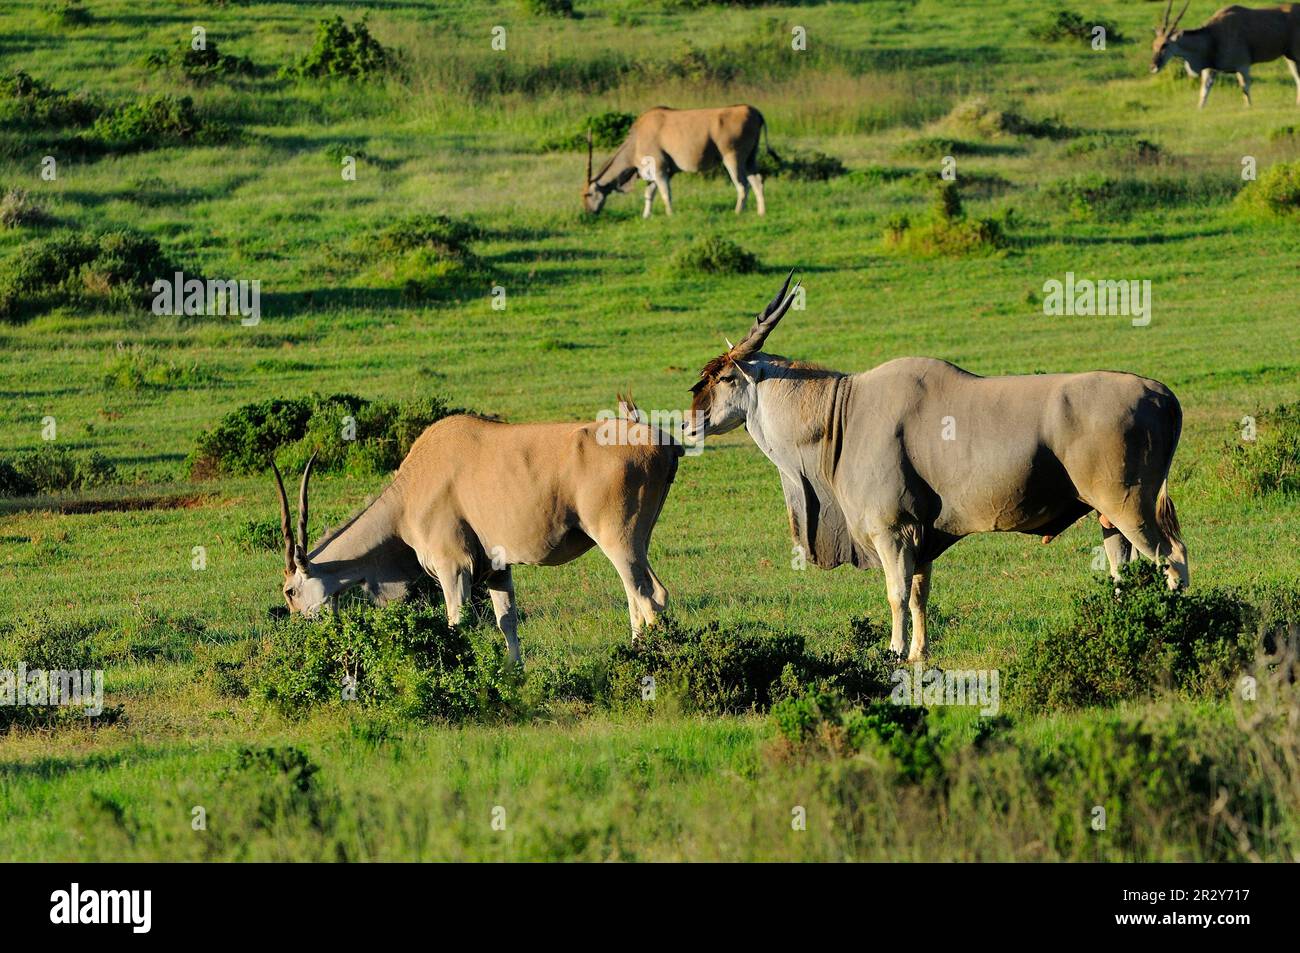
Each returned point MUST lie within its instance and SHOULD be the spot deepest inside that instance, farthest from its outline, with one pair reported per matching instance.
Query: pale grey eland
(476, 496)
(1231, 41)
(892, 466)
(664, 141)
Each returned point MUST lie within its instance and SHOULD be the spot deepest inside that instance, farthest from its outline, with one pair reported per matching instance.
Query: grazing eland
(664, 141)
(1231, 41)
(476, 496)
(892, 466)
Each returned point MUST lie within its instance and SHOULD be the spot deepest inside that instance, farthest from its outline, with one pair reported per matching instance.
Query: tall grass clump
(137, 368)
(1266, 458)
(51, 468)
(425, 256)
(18, 210)
(946, 230)
(202, 64)
(1276, 193)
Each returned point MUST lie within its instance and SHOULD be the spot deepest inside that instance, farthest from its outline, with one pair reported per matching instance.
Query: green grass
(593, 306)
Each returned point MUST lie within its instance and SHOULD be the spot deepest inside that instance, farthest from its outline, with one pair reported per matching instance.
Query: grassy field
(594, 306)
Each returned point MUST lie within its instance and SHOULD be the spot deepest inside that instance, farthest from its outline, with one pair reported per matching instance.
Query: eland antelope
(475, 497)
(665, 141)
(1231, 41)
(892, 466)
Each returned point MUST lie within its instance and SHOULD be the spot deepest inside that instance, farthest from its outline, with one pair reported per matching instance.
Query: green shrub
(376, 440)
(715, 255)
(548, 8)
(426, 256)
(1270, 462)
(1276, 192)
(18, 209)
(153, 122)
(936, 147)
(824, 722)
(1121, 148)
(344, 52)
(715, 670)
(811, 166)
(104, 270)
(1095, 195)
(608, 130)
(27, 102)
(54, 469)
(1132, 643)
(1066, 25)
(402, 659)
(137, 368)
(200, 65)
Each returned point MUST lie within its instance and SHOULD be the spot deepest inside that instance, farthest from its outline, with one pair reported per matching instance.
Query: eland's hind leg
(501, 586)
(899, 562)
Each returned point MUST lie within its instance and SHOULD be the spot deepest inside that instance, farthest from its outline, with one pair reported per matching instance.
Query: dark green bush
(1270, 462)
(403, 659)
(1135, 642)
(811, 166)
(715, 255)
(291, 430)
(54, 469)
(154, 122)
(608, 130)
(29, 103)
(716, 670)
(946, 230)
(103, 270)
(548, 8)
(1066, 25)
(344, 52)
(200, 65)
(67, 15)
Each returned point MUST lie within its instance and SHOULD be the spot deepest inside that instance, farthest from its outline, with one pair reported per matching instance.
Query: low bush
(425, 256)
(548, 8)
(982, 118)
(200, 65)
(608, 130)
(54, 469)
(811, 166)
(1117, 148)
(344, 52)
(1136, 641)
(402, 659)
(1265, 459)
(97, 270)
(29, 103)
(1099, 196)
(714, 255)
(1275, 193)
(154, 122)
(67, 15)
(1066, 25)
(348, 432)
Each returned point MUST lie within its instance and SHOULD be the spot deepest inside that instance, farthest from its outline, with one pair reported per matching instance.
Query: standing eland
(666, 141)
(475, 497)
(1231, 41)
(892, 466)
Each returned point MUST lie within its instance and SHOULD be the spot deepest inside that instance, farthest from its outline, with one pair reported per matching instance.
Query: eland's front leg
(649, 199)
(899, 562)
(501, 586)
(920, 596)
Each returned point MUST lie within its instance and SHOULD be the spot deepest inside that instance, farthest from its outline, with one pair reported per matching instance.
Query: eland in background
(664, 141)
(1231, 41)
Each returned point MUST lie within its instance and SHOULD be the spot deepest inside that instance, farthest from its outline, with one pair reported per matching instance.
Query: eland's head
(727, 390)
(303, 591)
(1165, 44)
(593, 196)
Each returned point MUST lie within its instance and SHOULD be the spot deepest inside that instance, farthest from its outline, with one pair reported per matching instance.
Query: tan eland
(665, 141)
(1231, 41)
(892, 466)
(476, 496)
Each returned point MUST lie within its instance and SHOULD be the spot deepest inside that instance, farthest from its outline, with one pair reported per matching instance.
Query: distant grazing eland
(892, 466)
(1231, 41)
(476, 496)
(665, 141)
